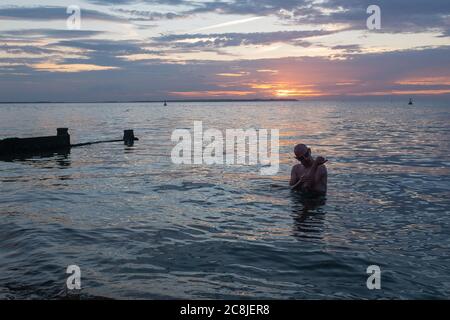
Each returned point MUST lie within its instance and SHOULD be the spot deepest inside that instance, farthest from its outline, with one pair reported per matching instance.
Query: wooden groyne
(15, 146)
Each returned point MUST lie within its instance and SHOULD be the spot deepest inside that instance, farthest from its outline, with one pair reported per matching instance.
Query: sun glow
(297, 93)
(286, 89)
(212, 93)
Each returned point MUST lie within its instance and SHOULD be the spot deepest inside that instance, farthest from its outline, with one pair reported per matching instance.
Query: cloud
(51, 33)
(26, 49)
(445, 33)
(105, 47)
(229, 23)
(212, 93)
(269, 71)
(351, 48)
(396, 16)
(118, 2)
(218, 40)
(68, 68)
(46, 13)
(229, 74)
(142, 15)
(408, 72)
(247, 7)
(74, 55)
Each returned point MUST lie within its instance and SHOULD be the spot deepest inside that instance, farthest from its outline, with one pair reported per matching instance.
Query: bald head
(300, 149)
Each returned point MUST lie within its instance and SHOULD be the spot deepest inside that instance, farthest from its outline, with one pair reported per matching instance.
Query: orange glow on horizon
(405, 92)
(425, 81)
(293, 85)
(212, 93)
(297, 93)
(286, 89)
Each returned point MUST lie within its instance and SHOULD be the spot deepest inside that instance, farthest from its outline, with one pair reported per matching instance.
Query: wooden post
(62, 134)
(128, 137)
(62, 131)
(61, 141)
(12, 146)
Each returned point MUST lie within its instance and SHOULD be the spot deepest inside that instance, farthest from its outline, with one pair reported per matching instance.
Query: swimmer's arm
(320, 185)
(294, 178)
(310, 180)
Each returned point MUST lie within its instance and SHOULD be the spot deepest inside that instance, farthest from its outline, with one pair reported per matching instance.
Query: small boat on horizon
(410, 101)
(165, 103)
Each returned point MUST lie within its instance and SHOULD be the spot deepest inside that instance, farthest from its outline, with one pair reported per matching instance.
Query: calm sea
(139, 226)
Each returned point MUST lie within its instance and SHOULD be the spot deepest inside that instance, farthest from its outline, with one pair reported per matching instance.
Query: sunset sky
(176, 49)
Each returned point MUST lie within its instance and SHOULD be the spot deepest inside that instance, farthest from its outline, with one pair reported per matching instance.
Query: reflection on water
(140, 226)
(61, 157)
(308, 216)
(42, 159)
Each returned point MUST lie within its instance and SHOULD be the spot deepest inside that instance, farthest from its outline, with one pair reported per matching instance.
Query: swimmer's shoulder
(298, 168)
(322, 170)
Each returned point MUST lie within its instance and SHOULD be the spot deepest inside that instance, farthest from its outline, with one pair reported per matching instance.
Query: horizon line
(154, 101)
(340, 97)
(321, 98)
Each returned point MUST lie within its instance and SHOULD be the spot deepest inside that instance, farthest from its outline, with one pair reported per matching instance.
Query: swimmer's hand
(302, 183)
(320, 160)
(306, 179)
(295, 186)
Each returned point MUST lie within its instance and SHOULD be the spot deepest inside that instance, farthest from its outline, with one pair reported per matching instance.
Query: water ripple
(141, 227)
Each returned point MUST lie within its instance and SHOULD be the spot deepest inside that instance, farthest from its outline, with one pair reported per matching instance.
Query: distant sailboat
(410, 102)
(165, 103)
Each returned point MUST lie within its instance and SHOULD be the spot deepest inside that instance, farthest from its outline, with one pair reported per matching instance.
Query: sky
(137, 50)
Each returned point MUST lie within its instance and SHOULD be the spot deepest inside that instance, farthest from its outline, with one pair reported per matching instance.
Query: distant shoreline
(157, 101)
(391, 98)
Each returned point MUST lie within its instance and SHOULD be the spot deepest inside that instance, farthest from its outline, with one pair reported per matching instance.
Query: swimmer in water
(310, 175)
